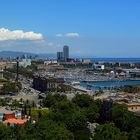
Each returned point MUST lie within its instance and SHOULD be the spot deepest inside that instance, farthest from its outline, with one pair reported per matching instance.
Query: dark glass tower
(66, 53)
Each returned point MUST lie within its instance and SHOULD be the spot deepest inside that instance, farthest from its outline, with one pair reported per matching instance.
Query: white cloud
(6, 34)
(59, 35)
(73, 35)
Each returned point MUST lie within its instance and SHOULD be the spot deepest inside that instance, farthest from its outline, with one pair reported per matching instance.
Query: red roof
(16, 121)
(9, 116)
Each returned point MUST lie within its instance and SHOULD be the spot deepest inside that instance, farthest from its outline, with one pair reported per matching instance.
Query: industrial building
(46, 84)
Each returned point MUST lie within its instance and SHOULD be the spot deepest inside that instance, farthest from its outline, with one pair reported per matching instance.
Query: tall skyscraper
(66, 53)
(60, 56)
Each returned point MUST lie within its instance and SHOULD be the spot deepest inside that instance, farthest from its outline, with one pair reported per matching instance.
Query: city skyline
(91, 28)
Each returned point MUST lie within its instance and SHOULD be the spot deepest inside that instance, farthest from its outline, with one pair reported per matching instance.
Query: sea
(131, 60)
(111, 83)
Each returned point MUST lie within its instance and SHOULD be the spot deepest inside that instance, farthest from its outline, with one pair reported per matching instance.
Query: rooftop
(16, 121)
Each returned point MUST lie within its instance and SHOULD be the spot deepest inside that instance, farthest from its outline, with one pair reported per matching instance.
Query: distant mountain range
(13, 54)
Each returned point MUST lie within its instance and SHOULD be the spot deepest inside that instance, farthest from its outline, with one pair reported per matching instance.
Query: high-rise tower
(66, 53)
(60, 56)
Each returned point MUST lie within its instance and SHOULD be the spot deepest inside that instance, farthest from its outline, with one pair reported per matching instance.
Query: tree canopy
(68, 120)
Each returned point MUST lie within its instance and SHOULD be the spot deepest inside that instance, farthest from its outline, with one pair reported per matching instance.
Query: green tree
(76, 121)
(5, 132)
(52, 99)
(109, 132)
(135, 134)
(62, 110)
(82, 100)
(9, 87)
(50, 130)
(92, 112)
(124, 119)
(90, 107)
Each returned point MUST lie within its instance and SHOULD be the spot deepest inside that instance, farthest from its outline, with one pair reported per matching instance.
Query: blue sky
(92, 28)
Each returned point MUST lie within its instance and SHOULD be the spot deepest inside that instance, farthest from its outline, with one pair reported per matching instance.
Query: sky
(91, 28)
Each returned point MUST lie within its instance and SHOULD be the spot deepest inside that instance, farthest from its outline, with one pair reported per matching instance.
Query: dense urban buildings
(69, 90)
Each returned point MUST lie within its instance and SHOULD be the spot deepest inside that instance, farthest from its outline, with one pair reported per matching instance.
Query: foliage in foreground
(67, 120)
